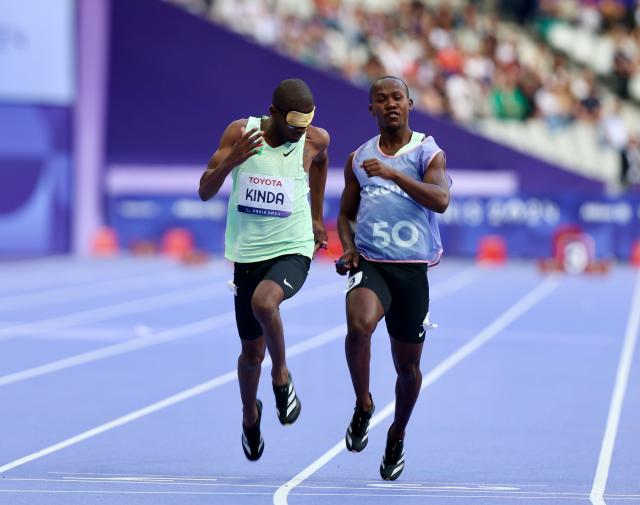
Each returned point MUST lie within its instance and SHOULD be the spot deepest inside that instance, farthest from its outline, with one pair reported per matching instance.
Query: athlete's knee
(360, 328)
(264, 307)
(409, 371)
(252, 357)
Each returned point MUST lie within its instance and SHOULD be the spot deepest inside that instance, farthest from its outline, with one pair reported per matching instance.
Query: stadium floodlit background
(117, 336)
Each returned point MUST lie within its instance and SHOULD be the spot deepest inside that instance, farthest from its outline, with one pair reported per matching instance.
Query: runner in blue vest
(273, 229)
(394, 185)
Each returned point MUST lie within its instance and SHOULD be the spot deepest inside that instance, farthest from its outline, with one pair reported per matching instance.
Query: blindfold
(300, 119)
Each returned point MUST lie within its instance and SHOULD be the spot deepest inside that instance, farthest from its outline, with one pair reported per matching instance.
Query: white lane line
(183, 331)
(299, 348)
(137, 475)
(120, 348)
(302, 347)
(514, 312)
(35, 261)
(96, 288)
(456, 283)
(89, 334)
(114, 310)
(373, 489)
(259, 493)
(72, 272)
(617, 399)
(342, 481)
(123, 492)
(443, 289)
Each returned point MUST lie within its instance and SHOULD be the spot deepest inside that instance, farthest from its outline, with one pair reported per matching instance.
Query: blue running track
(117, 386)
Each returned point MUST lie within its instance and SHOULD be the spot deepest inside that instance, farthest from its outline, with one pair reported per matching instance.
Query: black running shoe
(357, 435)
(252, 442)
(287, 402)
(393, 459)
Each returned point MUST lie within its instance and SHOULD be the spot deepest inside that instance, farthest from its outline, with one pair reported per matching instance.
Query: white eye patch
(300, 119)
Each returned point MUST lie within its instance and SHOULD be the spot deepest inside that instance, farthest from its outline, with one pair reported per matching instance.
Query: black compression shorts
(288, 271)
(403, 291)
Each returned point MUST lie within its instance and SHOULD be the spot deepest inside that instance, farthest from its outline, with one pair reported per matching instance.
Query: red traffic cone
(177, 242)
(105, 242)
(492, 249)
(635, 254)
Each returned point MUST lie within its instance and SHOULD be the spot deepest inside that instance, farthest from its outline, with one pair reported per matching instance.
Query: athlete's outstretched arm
(432, 192)
(349, 203)
(317, 182)
(236, 146)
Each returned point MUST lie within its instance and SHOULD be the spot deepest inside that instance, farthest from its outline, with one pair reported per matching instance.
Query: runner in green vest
(272, 233)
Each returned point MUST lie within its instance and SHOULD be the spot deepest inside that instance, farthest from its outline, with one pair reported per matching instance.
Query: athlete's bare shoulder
(318, 138)
(238, 124)
(233, 132)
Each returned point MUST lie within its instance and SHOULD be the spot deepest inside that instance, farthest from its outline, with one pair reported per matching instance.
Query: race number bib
(353, 281)
(265, 195)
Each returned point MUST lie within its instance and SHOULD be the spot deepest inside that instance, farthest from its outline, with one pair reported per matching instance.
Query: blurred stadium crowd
(563, 74)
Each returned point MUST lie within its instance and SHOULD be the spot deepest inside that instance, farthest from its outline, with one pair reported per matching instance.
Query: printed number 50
(383, 238)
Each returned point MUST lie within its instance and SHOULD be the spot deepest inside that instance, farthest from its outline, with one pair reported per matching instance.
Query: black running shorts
(403, 291)
(288, 271)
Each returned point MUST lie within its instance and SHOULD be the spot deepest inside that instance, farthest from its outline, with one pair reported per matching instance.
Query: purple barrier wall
(176, 81)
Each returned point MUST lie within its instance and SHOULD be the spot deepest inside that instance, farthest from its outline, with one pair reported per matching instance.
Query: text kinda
(264, 196)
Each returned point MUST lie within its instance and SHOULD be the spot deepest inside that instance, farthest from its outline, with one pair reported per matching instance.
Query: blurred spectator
(631, 169)
(461, 94)
(519, 10)
(507, 99)
(589, 104)
(614, 133)
(623, 65)
(457, 58)
(194, 5)
(553, 102)
(613, 37)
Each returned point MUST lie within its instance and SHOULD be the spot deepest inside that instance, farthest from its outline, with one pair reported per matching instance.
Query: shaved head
(293, 95)
(375, 84)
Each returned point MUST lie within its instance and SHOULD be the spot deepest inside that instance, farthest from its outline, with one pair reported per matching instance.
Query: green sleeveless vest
(269, 213)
